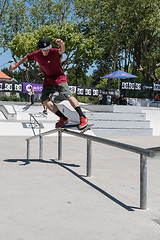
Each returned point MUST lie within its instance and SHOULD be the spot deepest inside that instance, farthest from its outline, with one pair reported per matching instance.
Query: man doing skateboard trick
(49, 60)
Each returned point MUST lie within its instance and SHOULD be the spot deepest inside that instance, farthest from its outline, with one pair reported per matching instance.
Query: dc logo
(28, 87)
(18, 87)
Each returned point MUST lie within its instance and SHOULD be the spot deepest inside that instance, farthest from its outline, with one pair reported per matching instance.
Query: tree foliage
(78, 49)
(111, 33)
(128, 31)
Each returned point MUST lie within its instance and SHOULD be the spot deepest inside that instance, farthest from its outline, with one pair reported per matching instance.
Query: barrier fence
(144, 153)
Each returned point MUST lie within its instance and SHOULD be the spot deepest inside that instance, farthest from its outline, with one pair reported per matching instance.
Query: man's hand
(12, 67)
(62, 46)
(59, 42)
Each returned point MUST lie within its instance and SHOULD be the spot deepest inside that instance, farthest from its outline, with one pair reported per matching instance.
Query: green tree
(14, 20)
(79, 78)
(138, 22)
(128, 32)
(47, 12)
(22, 16)
(111, 33)
(79, 51)
(3, 5)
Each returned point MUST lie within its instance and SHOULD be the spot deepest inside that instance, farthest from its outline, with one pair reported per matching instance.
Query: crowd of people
(121, 100)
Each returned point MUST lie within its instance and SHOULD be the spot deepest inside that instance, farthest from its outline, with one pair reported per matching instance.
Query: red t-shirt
(50, 66)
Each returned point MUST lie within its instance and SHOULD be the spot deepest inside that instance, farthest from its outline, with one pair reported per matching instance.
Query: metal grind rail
(144, 153)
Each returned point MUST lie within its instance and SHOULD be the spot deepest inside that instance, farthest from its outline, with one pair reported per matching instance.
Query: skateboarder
(45, 110)
(55, 80)
(31, 94)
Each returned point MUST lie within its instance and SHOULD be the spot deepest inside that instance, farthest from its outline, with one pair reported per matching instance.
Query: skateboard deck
(76, 127)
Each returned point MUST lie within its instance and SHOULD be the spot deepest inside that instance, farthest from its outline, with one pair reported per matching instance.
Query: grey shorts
(62, 88)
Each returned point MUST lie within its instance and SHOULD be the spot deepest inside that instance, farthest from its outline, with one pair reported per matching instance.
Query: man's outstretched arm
(14, 66)
(62, 46)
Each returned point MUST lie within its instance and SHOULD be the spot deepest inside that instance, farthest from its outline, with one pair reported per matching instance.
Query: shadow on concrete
(29, 161)
(67, 166)
(26, 107)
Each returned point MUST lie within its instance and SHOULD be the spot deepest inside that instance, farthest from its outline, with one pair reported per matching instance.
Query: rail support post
(40, 147)
(28, 149)
(143, 182)
(89, 157)
(59, 145)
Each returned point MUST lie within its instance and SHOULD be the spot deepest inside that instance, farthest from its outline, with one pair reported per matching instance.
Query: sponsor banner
(156, 87)
(87, 91)
(18, 87)
(72, 89)
(94, 92)
(147, 87)
(80, 91)
(37, 87)
(131, 86)
(10, 87)
(139, 86)
(103, 91)
(111, 92)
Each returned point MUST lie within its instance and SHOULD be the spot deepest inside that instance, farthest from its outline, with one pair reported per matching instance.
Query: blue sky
(4, 58)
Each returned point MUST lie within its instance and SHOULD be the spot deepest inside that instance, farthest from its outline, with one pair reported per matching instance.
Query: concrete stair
(118, 120)
(110, 120)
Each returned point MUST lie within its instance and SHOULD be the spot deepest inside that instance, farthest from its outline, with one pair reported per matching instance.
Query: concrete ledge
(123, 132)
(114, 116)
(113, 108)
(120, 124)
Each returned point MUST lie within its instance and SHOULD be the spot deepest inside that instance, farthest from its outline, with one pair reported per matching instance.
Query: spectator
(100, 97)
(156, 97)
(122, 100)
(31, 94)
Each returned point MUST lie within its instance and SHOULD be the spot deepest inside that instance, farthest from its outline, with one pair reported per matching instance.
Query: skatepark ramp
(144, 154)
(8, 111)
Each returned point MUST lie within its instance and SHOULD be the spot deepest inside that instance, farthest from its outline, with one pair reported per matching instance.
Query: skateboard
(76, 127)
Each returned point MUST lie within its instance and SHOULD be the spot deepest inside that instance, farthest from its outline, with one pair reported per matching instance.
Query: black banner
(80, 91)
(94, 92)
(10, 87)
(156, 87)
(131, 86)
(87, 91)
(139, 86)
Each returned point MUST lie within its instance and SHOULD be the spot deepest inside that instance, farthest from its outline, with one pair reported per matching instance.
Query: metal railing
(35, 121)
(144, 153)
